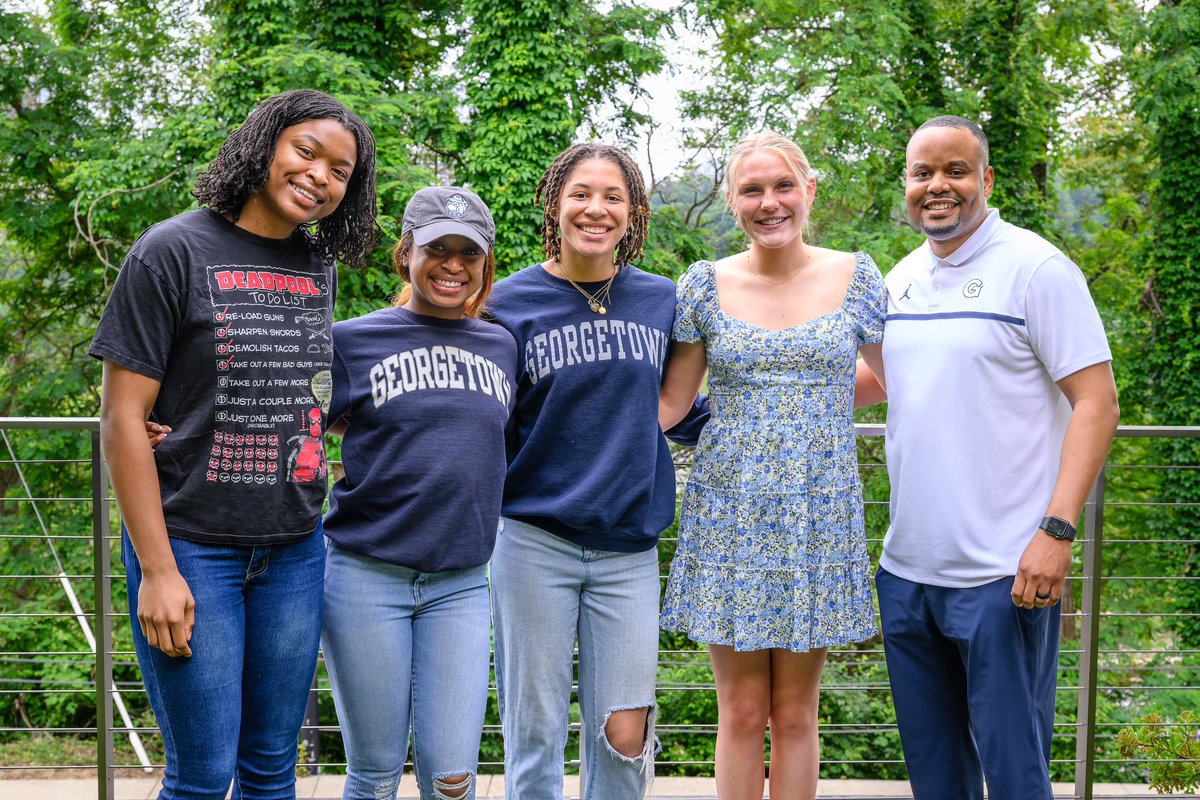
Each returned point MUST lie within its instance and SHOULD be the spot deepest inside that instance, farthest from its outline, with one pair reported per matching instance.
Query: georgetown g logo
(973, 288)
(456, 205)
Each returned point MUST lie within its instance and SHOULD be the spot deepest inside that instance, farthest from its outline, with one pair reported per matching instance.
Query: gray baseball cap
(448, 210)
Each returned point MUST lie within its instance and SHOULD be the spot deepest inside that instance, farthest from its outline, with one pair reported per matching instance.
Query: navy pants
(973, 679)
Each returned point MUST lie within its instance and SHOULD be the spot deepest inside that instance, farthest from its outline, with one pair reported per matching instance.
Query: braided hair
(476, 305)
(243, 164)
(550, 187)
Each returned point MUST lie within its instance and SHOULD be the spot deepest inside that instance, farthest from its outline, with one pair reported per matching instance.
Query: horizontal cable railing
(1129, 639)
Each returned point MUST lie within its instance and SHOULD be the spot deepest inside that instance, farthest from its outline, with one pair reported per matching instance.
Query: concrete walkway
(491, 787)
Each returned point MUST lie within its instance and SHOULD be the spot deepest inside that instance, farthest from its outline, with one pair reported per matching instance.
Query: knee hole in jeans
(452, 785)
(629, 747)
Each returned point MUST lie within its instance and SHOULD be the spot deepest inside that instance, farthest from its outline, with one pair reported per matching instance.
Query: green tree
(834, 76)
(852, 80)
(1166, 69)
(1006, 61)
(534, 71)
(84, 90)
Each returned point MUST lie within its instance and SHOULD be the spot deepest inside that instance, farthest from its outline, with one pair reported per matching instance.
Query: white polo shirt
(972, 348)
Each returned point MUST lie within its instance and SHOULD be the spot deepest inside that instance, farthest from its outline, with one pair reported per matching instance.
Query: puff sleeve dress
(772, 551)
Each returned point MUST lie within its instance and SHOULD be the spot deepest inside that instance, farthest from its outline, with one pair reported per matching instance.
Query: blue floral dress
(772, 551)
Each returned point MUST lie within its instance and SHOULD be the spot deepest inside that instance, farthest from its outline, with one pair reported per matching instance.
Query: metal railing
(1102, 682)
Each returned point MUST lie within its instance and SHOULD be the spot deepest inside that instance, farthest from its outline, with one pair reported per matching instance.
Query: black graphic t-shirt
(236, 327)
(426, 401)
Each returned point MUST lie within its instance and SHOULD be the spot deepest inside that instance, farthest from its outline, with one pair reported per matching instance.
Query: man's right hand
(167, 613)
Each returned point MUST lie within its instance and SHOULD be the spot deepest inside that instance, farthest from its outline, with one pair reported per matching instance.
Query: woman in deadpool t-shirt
(220, 323)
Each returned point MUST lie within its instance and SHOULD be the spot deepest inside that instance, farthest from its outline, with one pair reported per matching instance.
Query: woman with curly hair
(220, 322)
(590, 486)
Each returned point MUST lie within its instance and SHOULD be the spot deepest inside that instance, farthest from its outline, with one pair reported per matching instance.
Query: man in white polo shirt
(1001, 411)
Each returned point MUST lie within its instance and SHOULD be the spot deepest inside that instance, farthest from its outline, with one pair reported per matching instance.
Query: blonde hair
(777, 143)
(774, 142)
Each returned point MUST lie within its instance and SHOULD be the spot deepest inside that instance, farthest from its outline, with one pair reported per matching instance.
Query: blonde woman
(772, 566)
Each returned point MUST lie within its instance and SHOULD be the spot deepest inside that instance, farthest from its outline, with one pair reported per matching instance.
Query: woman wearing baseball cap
(421, 393)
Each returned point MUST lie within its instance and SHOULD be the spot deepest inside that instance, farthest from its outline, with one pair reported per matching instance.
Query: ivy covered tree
(1000, 46)
(1169, 100)
(534, 72)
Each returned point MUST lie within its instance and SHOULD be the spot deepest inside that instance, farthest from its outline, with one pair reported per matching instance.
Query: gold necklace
(756, 273)
(596, 302)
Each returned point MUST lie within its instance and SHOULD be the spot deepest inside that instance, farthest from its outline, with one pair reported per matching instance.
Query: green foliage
(855, 716)
(1165, 66)
(1006, 60)
(838, 78)
(520, 71)
(687, 712)
(690, 222)
(534, 70)
(852, 81)
(1172, 751)
(75, 89)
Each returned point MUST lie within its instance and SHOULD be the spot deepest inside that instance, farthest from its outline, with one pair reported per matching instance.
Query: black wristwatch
(1059, 528)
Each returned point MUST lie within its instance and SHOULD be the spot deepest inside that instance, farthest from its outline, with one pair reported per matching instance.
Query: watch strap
(1059, 528)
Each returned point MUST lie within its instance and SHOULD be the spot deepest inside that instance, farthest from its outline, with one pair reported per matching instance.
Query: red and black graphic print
(272, 352)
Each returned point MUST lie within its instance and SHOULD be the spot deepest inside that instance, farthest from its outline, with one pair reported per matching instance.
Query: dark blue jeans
(233, 710)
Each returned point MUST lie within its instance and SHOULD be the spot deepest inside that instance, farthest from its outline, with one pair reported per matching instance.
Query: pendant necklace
(603, 296)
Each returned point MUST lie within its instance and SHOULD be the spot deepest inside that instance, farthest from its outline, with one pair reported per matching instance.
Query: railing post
(1089, 642)
(310, 737)
(102, 585)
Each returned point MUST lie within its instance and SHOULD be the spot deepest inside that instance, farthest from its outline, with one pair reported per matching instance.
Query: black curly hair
(549, 190)
(244, 162)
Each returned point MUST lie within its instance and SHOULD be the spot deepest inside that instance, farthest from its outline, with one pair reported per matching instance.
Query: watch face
(1059, 528)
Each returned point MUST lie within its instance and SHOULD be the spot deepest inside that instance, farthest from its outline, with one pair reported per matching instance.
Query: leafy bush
(1172, 751)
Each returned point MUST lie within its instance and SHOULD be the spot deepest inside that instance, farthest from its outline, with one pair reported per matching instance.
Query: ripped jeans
(406, 650)
(546, 593)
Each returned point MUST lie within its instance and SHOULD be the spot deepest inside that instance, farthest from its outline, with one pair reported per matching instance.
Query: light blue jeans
(232, 711)
(546, 594)
(406, 650)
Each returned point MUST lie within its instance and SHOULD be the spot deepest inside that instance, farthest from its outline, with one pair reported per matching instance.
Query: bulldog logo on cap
(456, 205)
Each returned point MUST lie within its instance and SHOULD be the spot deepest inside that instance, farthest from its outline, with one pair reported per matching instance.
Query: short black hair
(962, 123)
(244, 161)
